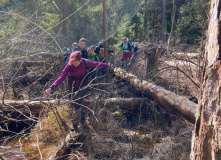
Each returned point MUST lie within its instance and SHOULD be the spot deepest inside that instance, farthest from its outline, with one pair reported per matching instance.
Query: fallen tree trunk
(25, 105)
(167, 99)
(37, 106)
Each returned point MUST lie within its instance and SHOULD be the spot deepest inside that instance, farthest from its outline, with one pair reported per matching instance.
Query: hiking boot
(74, 128)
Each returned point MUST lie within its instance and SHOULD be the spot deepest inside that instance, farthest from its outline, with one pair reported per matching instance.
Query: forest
(162, 102)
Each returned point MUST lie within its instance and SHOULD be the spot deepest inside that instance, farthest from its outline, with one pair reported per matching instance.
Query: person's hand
(110, 65)
(47, 91)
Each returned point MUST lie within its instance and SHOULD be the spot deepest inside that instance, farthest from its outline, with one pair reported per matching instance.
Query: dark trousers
(77, 98)
(92, 74)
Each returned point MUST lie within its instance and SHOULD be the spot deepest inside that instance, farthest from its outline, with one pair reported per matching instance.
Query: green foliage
(40, 25)
(36, 49)
(6, 32)
(51, 117)
(189, 26)
(49, 20)
(5, 3)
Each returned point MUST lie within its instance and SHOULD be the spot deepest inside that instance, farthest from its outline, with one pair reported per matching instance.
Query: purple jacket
(78, 73)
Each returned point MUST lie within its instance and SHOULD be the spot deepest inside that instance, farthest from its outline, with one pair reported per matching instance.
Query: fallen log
(167, 99)
(25, 105)
(37, 106)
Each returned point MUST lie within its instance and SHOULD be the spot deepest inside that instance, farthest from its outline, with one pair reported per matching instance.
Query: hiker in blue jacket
(126, 50)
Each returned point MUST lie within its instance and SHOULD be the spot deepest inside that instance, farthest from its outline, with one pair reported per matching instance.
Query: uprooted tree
(206, 141)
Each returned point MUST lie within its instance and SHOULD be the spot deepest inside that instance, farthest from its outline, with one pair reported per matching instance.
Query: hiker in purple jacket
(77, 68)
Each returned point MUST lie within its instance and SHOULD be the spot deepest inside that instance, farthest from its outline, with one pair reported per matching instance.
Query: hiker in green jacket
(91, 55)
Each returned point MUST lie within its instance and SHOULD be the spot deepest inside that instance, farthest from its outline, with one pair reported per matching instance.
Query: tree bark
(152, 57)
(167, 99)
(206, 140)
(152, 53)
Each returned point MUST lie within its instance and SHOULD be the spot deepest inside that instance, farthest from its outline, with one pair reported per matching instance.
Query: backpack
(135, 47)
(101, 54)
(96, 58)
(128, 45)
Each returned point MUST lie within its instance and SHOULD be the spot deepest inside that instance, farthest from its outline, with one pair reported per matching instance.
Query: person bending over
(77, 70)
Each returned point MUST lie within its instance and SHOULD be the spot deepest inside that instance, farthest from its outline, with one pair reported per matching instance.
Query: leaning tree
(206, 140)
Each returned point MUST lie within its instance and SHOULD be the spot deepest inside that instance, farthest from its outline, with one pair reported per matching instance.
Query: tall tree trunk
(206, 140)
(105, 28)
(157, 23)
(153, 25)
(145, 20)
(171, 38)
(62, 7)
(202, 41)
(105, 36)
(136, 31)
(64, 10)
(163, 21)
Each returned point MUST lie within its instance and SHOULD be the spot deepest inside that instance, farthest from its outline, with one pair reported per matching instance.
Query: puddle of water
(17, 149)
(12, 152)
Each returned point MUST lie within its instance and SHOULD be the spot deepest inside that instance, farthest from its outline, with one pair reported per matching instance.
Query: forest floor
(148, 132)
